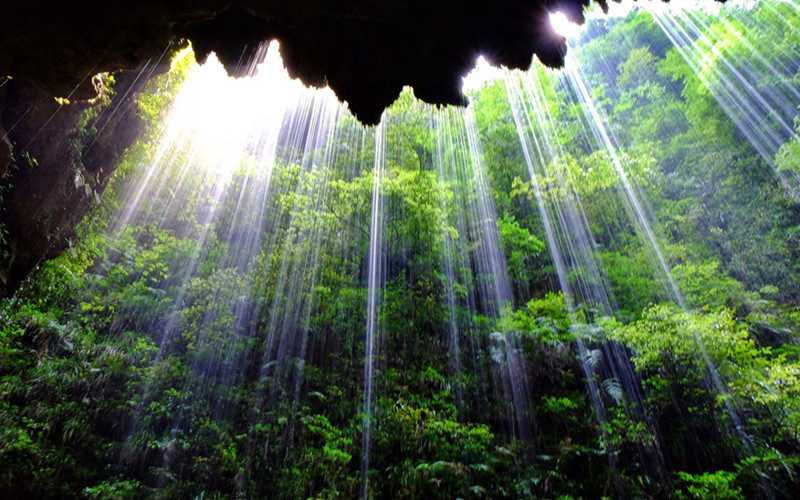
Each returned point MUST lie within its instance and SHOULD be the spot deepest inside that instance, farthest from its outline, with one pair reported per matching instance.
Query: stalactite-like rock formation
(366, 50)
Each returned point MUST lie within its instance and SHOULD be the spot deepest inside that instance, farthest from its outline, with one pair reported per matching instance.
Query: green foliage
(156, 101)
(154, 359)
(113, 489)
(704, 285)
(666, 333)
(544, 319)
(522, 249)
(634, 71)
(710, 485)
(325, 469)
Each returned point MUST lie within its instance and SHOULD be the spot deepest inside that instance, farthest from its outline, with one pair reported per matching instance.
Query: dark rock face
(5, 153)
(365, 50)
(64, 155)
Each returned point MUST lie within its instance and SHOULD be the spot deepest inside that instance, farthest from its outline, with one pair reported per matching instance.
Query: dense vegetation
(206, 338)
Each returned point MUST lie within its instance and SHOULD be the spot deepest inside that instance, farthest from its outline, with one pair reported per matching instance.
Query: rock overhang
(365, 50)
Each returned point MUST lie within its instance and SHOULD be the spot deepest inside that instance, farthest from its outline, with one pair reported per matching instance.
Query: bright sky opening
(563, 26)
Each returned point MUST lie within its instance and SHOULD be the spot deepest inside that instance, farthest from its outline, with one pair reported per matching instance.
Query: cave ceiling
(365, 50)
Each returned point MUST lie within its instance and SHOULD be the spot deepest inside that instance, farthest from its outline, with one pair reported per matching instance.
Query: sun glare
(563, 26)
(482, 74)
(221, 113)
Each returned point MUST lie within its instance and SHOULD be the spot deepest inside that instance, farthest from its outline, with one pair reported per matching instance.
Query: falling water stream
(373, 286)
(764, 119)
